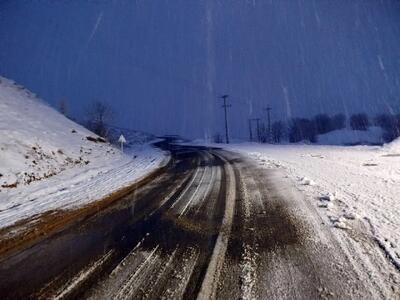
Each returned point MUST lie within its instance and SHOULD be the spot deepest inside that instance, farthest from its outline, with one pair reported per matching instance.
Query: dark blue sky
(162, 64)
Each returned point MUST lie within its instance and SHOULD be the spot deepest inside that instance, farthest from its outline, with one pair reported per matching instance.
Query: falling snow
(175, 58)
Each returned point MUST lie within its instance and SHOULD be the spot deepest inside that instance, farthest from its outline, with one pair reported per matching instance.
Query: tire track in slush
(126, 291)
(127, 288)
(210, 281)
(71, 285)
(189, 270)
(182, 263)
(190, 184)
(195, 193)
(65, 290)
(191, 258)
(202, 190)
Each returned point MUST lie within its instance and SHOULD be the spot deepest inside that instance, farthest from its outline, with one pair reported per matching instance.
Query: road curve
(213, 226)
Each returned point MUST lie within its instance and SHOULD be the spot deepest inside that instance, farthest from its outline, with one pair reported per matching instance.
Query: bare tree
(339, 121)
(359, 122)
(390, 125)
(262, 133)
(302, 129)
(217, 138)
(98, 115)
(62, 107)
(277, 131)
(323, 123)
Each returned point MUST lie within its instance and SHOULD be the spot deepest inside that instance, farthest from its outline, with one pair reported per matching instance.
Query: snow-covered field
(47, 161)
(372, 136)
(346, 184)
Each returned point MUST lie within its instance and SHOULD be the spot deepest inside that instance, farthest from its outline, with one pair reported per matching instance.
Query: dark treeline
(390, 125)
(300, 129)
(98, 115)
(308, 129)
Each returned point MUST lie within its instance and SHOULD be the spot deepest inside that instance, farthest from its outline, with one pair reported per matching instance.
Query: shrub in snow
(62, 107)
(98, 115)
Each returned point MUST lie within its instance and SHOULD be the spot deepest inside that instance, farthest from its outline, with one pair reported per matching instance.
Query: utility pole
(250, 131)
(268, 110)
(225, 106)
(258, 128)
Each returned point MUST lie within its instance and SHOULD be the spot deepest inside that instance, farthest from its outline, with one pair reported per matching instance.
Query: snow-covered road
(215, 224)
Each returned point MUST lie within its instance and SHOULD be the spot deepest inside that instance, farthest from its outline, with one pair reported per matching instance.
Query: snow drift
(372, 136)
(393, 148)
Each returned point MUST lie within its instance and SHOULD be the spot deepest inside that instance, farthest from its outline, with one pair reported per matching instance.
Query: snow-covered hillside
(354, 188)
(48, 162)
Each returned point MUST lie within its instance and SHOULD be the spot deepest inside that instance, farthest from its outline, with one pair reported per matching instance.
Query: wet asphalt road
(211, 226)
(178, 216)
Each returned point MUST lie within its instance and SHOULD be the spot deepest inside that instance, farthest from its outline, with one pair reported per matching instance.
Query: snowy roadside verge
(76, 187)
(86, 199)
(352, 188)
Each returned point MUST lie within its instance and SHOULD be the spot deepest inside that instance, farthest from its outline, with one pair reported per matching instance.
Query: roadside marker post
(122, 141)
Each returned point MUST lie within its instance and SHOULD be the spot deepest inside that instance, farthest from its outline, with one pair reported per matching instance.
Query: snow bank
(393, 148)
(352, 137)
(36, 142)
(49, 162)
(351, 185)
